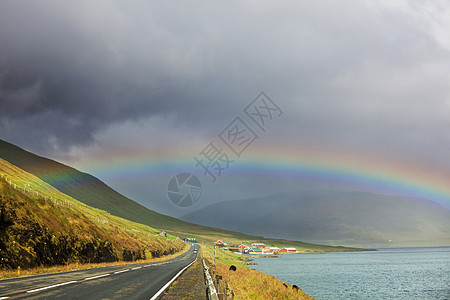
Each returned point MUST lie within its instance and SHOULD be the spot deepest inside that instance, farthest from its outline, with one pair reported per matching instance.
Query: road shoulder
(190, 284)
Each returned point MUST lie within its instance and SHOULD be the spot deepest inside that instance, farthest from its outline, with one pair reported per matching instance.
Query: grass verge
(4, 274)
(247, 283)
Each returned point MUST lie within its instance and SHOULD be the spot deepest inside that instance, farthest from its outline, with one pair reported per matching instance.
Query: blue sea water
(393, 273)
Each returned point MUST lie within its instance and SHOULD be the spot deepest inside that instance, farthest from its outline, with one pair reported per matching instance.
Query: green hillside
(40, 226)
(83, 187)
(93, 192)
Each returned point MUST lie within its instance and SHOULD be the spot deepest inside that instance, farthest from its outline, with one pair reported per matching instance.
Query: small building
(163, 233)
(244, 247)
(274, 250)
(221, 243)
(266, 250)
(259, 245)
(255, 250)
(288, 250)
(234, 250)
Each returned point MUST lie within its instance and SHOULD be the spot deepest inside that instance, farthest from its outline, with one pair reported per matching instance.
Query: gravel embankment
(190, 285)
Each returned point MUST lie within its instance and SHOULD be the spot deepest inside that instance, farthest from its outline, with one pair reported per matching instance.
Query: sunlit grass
(247, 283)
(32, 201)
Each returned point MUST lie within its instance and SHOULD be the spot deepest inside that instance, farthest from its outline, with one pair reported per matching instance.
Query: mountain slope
(358, 219)
(39, 225)
(87, 189)
(83, 187)
(93, 192)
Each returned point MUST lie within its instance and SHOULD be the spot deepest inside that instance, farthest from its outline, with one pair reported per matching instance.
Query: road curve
(134, 281)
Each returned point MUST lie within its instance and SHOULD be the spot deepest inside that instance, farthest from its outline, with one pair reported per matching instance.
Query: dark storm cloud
(69, 69)
(355, 75)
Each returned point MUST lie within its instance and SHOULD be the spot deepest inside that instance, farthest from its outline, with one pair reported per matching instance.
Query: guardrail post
(212, 293)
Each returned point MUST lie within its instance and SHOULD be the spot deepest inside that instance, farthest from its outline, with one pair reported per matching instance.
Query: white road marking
(49, 287)
(104, 275)
(2, 298)
(155, 296)
(122, 271)
(136, 268)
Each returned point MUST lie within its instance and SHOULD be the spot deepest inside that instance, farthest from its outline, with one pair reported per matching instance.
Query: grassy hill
(93, 192)
(39, 225)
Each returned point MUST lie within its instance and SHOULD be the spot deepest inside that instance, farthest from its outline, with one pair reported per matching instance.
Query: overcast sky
(79, 79)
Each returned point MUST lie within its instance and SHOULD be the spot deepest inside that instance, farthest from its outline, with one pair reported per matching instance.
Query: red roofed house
(288, 250)
(258, 245)
(221, 243)
(244, 246)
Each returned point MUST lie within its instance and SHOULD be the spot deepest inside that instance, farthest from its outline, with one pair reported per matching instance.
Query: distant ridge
(328, 217)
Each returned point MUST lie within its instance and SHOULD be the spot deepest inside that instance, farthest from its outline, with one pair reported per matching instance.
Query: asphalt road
(134, 281)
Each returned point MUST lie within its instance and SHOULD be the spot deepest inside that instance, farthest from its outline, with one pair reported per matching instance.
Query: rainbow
(349, 170)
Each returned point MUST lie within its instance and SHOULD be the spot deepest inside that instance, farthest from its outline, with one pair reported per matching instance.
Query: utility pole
(214, 254)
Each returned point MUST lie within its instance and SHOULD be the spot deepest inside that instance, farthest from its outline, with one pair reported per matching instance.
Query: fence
(218, 288)
(26, 189)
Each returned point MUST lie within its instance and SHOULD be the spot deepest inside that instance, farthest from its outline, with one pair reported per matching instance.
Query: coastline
(399, 273)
